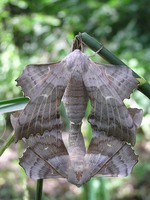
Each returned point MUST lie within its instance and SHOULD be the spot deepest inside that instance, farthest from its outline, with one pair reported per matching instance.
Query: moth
(47, 157)
(75, 80)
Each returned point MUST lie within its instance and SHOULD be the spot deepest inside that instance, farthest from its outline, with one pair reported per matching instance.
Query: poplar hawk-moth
(75, 80)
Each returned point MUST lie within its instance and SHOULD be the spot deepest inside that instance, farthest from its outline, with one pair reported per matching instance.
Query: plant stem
(104, 191)
(143, 87)
(39, 188)
(6, 144)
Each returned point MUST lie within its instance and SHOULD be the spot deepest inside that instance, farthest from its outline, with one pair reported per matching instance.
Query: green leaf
(13, 105)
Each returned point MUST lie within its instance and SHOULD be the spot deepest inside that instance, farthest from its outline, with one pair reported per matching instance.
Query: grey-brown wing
(109, 114)
(121, 164)
(36, 77)
(48, 150)
(121, 78)
(45, 85)
(109, 156)
(51, 148)
(37, 168)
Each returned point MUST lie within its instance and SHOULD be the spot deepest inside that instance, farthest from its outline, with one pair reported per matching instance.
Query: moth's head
(77, 60)
(76, 173)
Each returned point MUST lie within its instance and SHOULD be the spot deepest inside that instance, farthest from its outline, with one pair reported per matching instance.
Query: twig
(143, 87)
(104, 191)
(6, 144)
(39, 188)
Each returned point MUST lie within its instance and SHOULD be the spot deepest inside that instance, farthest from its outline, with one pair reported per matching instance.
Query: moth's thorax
(75, 97)
(77, 61)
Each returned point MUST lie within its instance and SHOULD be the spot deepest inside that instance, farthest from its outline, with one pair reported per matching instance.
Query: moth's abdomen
(75, 99)
(76, 142)
(76, 152)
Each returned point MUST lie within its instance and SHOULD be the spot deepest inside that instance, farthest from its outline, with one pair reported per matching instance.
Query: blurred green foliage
(42, 31)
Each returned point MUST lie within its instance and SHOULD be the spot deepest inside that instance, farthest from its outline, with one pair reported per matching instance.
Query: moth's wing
(45, 85)
(49, 149)
(37, 168)
(121, 164)
(109, 114)
(36, 77)
(108, 156)
(137, 115)
(121, 78)
(14, 118)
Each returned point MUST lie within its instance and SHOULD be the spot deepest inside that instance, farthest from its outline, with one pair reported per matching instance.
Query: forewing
(45, 85)
(51, 148)
(121, 164)
(121, 78)
(109, 114)
(36, 77)
(37, 168)
(109, 156)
